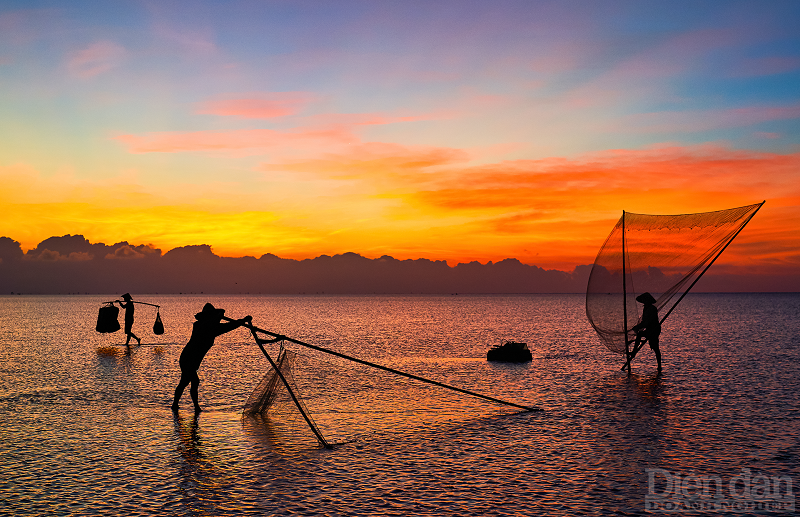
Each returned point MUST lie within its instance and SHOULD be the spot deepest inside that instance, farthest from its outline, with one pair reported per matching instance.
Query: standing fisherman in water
(207, 327)
(128, 306)
(650, 327)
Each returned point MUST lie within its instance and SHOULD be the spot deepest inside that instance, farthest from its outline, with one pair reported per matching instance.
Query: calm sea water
(85, 425)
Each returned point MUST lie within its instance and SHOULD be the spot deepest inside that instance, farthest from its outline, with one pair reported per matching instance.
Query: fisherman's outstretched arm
(227, 327)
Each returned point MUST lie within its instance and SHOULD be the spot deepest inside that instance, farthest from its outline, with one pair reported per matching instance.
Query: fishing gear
(284, 361)
(661, 254)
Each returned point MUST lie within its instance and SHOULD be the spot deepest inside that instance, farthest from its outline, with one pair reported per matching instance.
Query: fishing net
(272, 385)
(265, 392)
(661, 254)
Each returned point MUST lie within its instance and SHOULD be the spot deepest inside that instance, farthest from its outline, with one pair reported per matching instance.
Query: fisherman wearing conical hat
(128, 306)
(207, 327)
(649, 327)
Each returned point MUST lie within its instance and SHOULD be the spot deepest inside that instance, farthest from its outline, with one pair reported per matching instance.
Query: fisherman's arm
(235, 324)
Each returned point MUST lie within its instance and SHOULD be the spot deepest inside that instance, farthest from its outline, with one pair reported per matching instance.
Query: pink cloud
(319, 133)
(382, 162)
(243, 139)
(257, 106)
(95, 59)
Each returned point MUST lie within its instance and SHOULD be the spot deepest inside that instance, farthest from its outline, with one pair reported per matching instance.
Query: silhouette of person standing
(650, 326)
(207, 327)
(128, 306)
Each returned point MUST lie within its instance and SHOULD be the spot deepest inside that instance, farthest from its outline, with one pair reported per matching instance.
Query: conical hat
(645, 298)
(210, 312)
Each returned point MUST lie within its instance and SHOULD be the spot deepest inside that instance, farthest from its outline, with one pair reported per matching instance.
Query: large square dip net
(664, 255)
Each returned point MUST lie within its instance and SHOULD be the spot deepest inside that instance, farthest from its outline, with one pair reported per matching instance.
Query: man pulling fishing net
(207, 327)
(649, 328)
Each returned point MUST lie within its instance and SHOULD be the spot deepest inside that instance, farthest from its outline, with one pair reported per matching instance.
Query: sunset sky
(443, 130)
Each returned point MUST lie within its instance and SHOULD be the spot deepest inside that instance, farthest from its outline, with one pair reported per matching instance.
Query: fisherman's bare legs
(194, 392)
(186, 379)
(656, 350)
(132, 335)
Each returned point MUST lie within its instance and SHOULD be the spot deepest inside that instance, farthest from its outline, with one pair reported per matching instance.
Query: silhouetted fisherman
(650, 326)
(128, 306)
(207, 327)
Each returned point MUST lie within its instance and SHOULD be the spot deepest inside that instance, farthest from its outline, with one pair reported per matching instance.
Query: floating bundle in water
(661, 254)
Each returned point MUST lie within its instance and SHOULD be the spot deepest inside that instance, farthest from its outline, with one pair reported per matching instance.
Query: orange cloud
(413, 202)
(556, 211)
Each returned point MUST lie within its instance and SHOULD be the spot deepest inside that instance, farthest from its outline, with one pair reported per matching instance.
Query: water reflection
(284, 436)
(650, 387)
(104, 352)
(203, 484)
(629, 417)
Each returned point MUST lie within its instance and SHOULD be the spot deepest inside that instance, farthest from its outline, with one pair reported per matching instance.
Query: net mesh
(271, 385)
(660, 254)
(266, 390)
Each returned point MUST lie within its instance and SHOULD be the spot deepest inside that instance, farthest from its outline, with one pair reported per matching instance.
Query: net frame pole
(286, 384)
(390, 370)
(713, 260)
(625, 299)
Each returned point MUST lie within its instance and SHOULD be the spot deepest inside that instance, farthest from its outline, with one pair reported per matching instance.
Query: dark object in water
(510, 352)
(158, 326)
(107, 319)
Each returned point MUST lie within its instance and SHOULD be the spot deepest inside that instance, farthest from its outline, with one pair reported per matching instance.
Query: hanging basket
(107, 319)
(158, 326)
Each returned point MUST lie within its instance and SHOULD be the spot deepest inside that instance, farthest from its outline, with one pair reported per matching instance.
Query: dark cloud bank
(71, 264)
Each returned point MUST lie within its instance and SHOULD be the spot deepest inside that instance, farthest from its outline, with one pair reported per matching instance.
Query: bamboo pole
(625, 299)
(134, 301)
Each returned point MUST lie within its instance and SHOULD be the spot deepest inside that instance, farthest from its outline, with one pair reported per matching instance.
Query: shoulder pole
(134, 301)
(392, 370)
